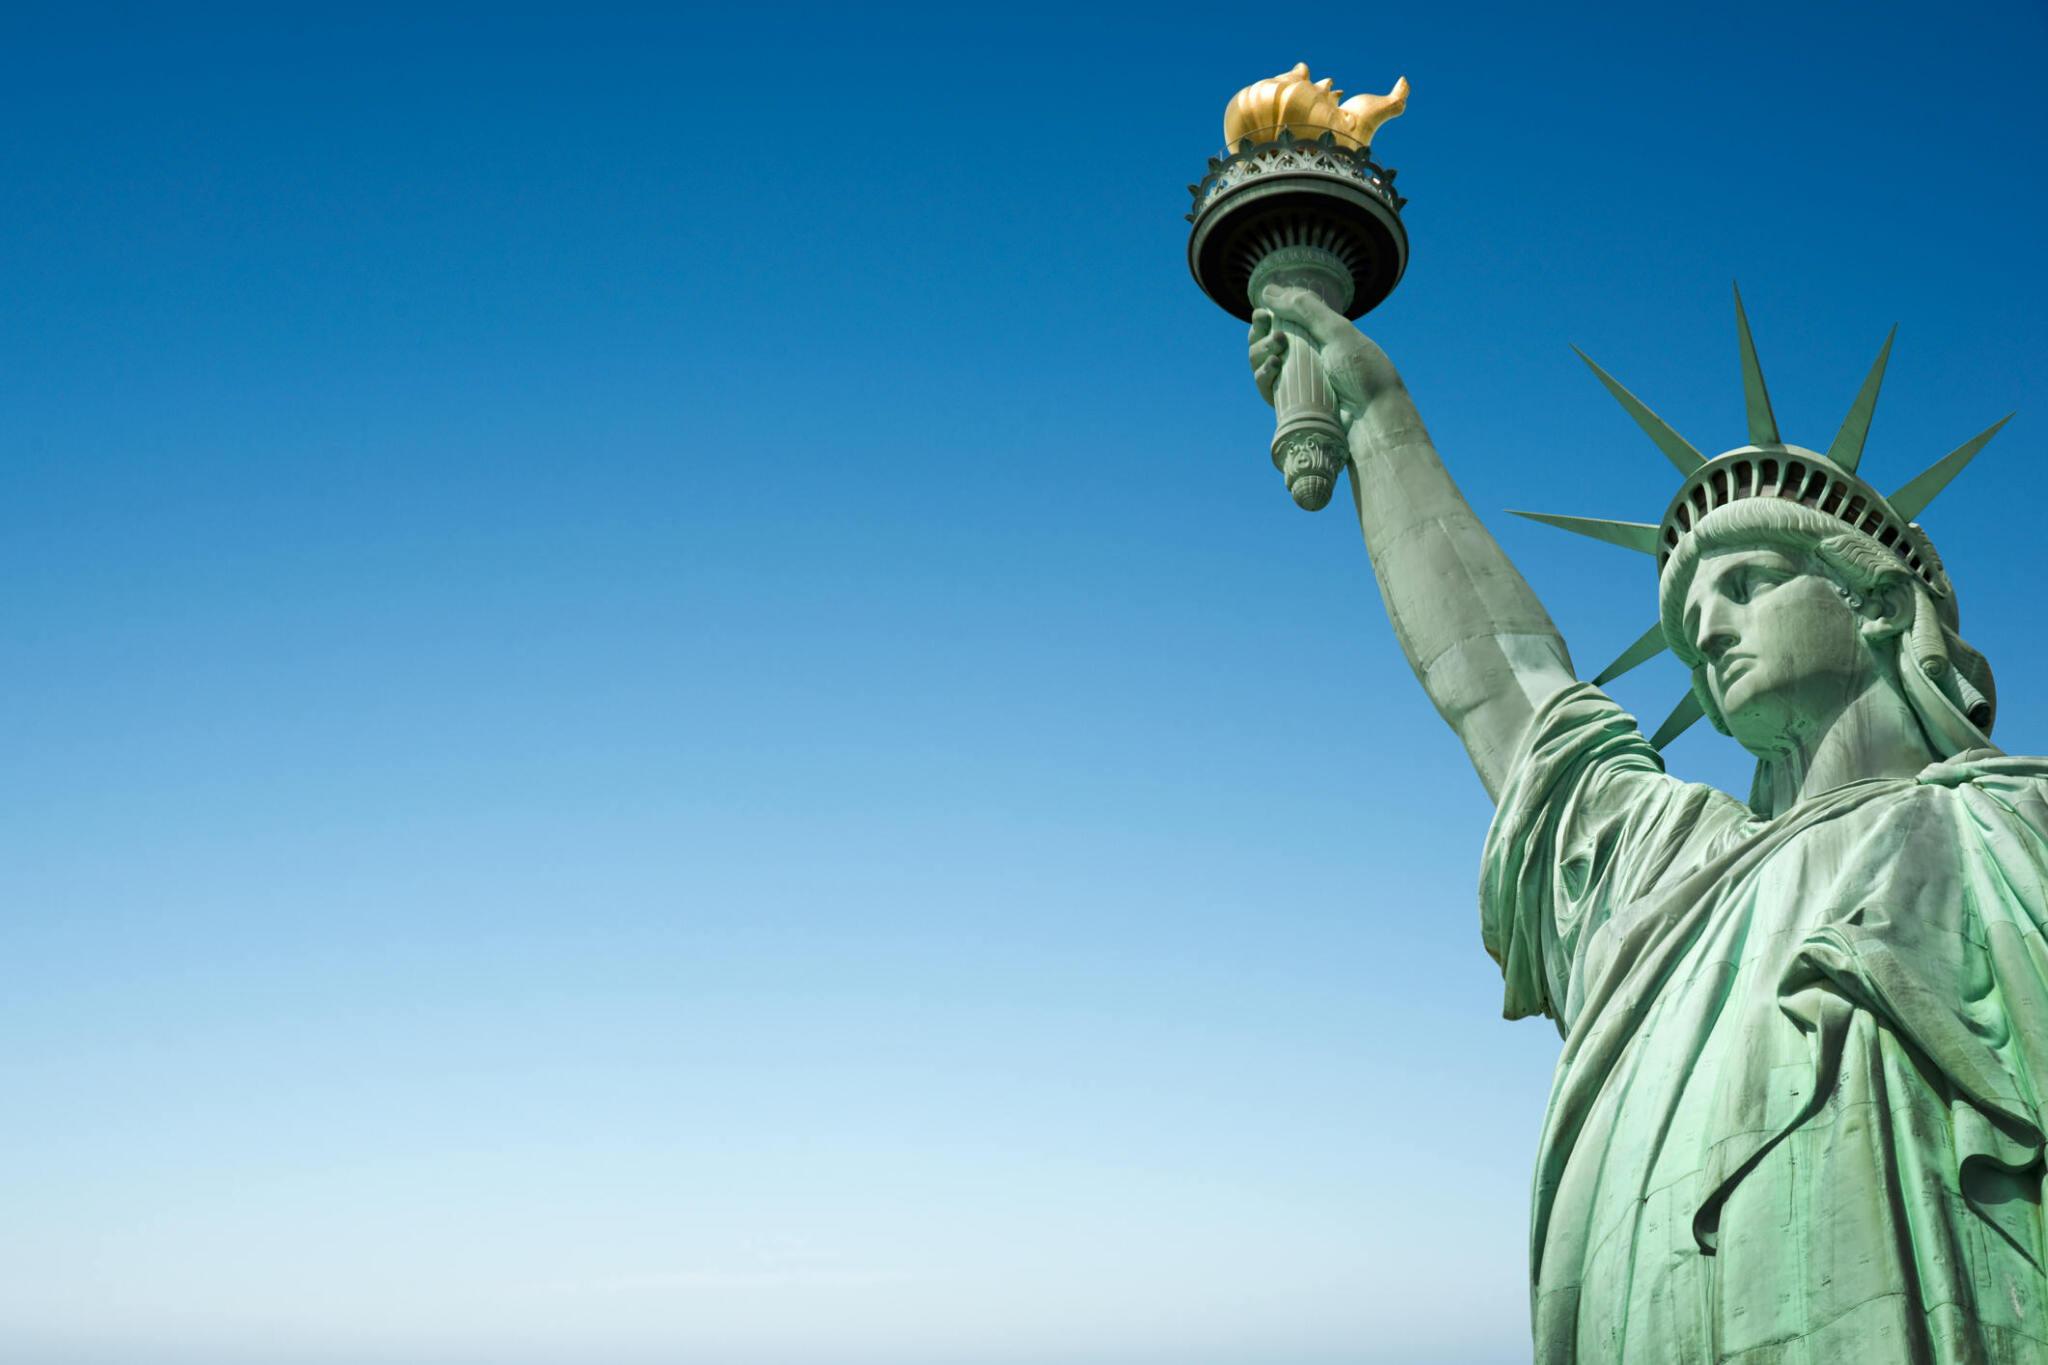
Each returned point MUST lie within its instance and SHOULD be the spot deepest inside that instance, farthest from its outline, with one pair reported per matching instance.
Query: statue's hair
(1944, 679)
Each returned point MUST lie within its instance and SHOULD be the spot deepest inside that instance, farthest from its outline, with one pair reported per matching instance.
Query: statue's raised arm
(1479, 641)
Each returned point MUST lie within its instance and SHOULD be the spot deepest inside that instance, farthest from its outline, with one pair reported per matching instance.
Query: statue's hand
(1268, 349)
(1355, 367)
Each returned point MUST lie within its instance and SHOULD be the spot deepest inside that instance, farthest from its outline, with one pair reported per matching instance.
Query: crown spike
(1676, 448)
(1646, 648)
(1681, 719)
(1629, 535)
(1910, 501)
(1763, 427)
(1847, 448)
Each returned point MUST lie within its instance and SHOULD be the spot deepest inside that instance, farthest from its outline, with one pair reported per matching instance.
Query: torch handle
(1308, 440)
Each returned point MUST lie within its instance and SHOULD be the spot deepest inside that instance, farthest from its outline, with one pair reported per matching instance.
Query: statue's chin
(1758, 723)
(1763, 751)
(1787, 719)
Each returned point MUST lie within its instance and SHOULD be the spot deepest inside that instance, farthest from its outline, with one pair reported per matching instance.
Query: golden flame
(1293, 103)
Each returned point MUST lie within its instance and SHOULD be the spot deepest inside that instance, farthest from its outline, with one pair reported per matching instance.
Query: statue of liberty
(1798, 1116)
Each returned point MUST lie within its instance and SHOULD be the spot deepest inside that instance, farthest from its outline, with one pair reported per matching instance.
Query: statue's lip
(1732, 666)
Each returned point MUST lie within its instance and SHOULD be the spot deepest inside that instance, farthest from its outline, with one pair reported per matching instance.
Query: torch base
(1275, 196)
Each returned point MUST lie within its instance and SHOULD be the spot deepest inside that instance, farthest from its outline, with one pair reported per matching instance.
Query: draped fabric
(1798, 1117)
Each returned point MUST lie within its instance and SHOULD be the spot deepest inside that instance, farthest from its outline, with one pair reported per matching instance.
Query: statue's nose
(1717, 632)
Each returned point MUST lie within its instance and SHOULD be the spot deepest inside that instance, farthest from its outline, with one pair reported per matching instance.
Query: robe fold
(1798, 1118)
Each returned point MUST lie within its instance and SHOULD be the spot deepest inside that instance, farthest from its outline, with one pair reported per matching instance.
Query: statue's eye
(1752, 582)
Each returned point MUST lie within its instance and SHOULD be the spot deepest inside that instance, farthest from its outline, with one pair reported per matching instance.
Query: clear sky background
(661, 706)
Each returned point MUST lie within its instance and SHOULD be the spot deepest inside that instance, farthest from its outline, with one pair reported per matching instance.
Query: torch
(1296, 199)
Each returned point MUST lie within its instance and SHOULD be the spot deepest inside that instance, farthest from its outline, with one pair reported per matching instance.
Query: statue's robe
(1798, 1118)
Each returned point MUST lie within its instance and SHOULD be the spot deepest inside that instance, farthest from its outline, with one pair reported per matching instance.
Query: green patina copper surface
(1798, 1116)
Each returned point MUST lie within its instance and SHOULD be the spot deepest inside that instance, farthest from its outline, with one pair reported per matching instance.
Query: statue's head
(1784, 616)
(1789, 587)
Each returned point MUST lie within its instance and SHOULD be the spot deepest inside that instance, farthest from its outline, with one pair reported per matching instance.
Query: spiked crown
(1769, 468)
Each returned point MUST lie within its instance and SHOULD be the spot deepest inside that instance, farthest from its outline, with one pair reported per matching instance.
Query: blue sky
(663, 708)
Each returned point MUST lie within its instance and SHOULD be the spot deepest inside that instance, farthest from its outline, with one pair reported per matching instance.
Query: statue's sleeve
(1588, 822)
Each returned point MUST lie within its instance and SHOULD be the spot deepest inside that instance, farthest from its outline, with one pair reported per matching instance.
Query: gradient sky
(663, 708)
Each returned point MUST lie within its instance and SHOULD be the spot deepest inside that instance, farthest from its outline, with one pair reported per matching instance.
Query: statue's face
(1782, 651)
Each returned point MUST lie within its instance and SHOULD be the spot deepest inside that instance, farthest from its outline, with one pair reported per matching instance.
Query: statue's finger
(1305, 309)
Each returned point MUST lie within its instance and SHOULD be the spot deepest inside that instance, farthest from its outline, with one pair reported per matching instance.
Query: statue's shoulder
(1984, 765)
(2016, 782)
